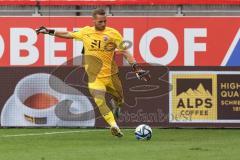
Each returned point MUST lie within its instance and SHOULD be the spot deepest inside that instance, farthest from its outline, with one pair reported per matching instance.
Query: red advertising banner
(173, 41)
(115, 2)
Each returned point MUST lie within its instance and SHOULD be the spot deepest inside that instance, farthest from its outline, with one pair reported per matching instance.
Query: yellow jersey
(99, 49)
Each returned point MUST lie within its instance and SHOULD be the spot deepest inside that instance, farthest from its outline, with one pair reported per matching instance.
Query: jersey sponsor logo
(96, 44)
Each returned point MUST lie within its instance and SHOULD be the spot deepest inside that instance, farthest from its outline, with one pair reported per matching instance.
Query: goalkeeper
(100, 44)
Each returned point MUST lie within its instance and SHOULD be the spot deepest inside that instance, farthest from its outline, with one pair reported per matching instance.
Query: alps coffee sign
(205, 96)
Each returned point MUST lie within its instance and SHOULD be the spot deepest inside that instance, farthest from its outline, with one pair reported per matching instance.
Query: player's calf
(116, 109)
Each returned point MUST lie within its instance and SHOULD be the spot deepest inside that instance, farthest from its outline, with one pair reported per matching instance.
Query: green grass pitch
(98, 144)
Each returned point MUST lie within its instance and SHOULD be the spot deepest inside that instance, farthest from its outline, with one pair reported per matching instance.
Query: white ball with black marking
(143, 132)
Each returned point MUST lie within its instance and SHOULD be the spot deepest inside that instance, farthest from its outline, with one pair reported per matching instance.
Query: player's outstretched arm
(61, 34)
(140, 73)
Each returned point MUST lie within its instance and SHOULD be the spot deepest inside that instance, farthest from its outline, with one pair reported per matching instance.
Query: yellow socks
(109, 118)
(105, 111)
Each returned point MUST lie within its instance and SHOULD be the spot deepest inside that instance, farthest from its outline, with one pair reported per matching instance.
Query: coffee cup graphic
(37, 102)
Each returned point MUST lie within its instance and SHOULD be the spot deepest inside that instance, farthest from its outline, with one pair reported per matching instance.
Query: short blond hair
(98, 11)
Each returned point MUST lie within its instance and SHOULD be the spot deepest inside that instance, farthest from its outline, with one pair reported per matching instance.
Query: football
(143, 132)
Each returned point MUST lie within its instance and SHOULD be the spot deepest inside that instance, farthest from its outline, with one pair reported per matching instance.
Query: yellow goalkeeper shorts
(110, 84)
